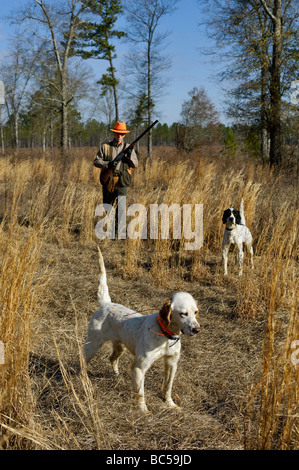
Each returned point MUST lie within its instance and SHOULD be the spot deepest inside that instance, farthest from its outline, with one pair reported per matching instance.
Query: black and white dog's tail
(243, 222)
(103, 291)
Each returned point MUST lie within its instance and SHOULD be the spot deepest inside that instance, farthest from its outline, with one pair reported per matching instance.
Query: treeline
(183, 135)
(199, 125)
(47, 80)
(90, 133)
(47, 70)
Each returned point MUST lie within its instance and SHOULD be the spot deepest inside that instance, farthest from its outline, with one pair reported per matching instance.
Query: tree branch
(268, 11)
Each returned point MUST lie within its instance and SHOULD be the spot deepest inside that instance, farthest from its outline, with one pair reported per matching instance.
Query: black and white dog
(236, 233)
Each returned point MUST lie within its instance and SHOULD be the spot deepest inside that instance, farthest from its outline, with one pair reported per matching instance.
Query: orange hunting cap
(120, 128)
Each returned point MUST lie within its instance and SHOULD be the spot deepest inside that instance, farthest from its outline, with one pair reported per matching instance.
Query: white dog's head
(179, 313)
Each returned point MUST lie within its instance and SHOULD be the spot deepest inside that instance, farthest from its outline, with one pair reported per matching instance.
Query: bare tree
(44, 109)
(55, 26)
(143, 18)
(200, 120)
(258, 39)
(274, 10)
(17, 71)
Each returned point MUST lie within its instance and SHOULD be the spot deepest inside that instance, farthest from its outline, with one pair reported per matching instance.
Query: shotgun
(105, 175)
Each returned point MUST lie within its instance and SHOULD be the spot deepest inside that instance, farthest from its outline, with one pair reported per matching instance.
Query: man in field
(120, 176)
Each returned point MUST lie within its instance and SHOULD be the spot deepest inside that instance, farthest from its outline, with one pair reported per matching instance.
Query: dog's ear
(165, 313)
(225, 215)
(237, 216)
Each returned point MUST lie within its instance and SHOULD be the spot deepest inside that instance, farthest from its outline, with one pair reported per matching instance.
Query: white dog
(147, 337)
(236, 233)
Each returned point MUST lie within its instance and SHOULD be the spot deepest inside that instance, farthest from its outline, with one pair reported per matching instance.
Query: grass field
(236, 382)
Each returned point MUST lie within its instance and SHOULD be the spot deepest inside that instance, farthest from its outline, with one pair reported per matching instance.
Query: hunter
(120, 176)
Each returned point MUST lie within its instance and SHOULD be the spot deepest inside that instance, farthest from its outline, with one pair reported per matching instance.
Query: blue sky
(185, 44)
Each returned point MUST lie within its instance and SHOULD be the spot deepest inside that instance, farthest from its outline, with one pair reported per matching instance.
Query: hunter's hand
(112, 165)
(129, 152)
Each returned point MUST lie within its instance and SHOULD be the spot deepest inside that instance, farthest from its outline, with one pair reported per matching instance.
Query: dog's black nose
(195, 330)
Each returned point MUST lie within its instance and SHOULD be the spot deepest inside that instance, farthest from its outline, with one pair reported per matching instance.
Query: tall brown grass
(271, 415)
(273, 402)
(20, 293)
(41, 203)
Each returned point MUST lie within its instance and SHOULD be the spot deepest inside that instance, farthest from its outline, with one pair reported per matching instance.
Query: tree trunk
(149, 102)
(137, 146)
(116, 102)
(64, 112)
(51, 136)
(275, 89)
(64, 128)
(16, 131)
(2, 136)
(264, 119)
(2, 141)
(275, 85)
(114, 88)
(44, 140)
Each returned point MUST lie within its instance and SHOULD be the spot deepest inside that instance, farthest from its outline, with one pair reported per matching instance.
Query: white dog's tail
(103, 292)
(242, 213)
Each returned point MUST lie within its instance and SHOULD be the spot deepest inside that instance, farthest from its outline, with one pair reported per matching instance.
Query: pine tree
(95, 41)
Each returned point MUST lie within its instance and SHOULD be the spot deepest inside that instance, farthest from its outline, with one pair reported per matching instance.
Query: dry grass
(236, 383)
